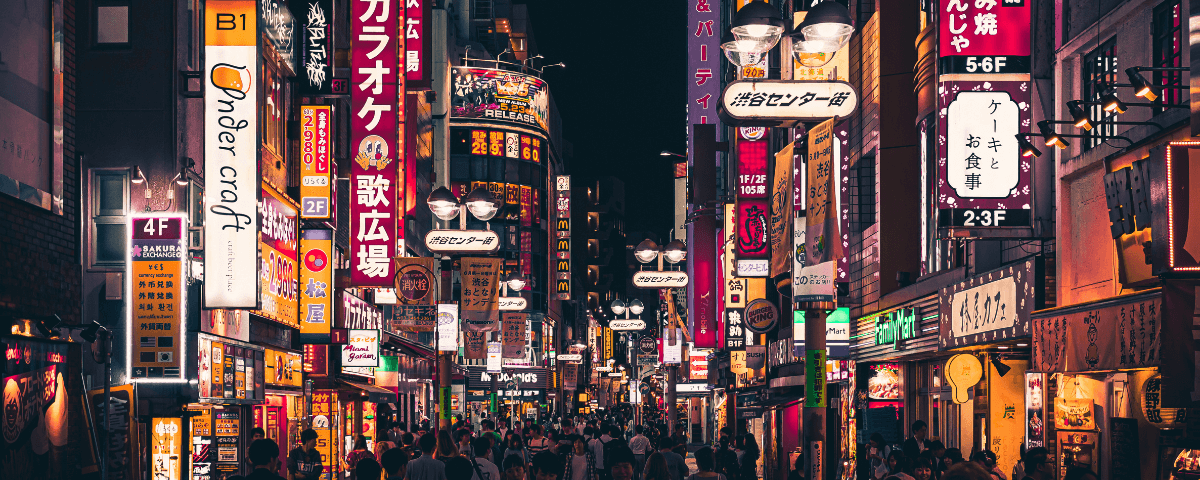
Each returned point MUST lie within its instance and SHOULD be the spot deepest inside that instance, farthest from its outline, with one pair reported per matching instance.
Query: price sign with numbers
(315, 151)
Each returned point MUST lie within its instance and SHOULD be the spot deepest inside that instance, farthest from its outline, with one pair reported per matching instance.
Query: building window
(274, 112)
(1099, 75)
(112, 25)
(1168, 52)
(109, 206)
(862, 195)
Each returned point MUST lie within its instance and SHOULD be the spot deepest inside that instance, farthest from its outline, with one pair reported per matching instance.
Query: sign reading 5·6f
(230, 151)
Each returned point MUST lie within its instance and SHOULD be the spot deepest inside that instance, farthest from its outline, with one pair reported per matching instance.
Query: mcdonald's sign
(562, 196)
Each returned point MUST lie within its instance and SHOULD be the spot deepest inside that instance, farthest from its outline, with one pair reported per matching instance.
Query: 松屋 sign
(895, 327)
(660, 279)
(776, 103)
(361, 349)
(230, 152)
(315, 152)
(316, 285)
(462, 241)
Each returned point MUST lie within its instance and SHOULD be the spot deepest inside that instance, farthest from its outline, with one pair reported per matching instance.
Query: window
(1099, 75)
(112, 24)
(1168, 52)
(862, 195)
(109, 205)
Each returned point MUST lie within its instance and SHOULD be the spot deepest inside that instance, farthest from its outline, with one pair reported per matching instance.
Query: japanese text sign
(500, 96)
(316, 285)
(462, 241)
(781, 213)
(315, 152)
(361, 349)
(735, 329)
(358, 313)
(415, 283)
(514, 335)
(230, 152)
(416, 43)
(980, 168)
(779, 103)
(990, 307)
(984, 28)
(447, 327)
(703, 63)
(278, 273)
(480, 289)
(157, 279)
(821, 223)
(316, 19)
(374, 144)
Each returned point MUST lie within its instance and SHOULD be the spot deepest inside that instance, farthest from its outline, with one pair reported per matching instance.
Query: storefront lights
(443, 204)
(1027, 149)
(1050, 136)
(742, 53)
(1112, 104)
(1141, 87)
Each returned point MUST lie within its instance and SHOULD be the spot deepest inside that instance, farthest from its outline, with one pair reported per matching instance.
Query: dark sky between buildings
(622, 96)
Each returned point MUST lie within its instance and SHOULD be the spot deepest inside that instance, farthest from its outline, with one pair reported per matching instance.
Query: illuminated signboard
(562, 188)
(777, 103)
(375, 146)
(315, 152)
(316, 48)
(983, 37)
(316, 285)
(230, 371)
(896, 326)
(361, 349)
(497, 143)
(500, 96)
(157, 286)
(417, 42)
(279, 250)
(230, 153)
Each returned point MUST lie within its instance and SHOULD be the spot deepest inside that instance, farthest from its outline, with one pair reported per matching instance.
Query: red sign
(751, 225)
(374, 144)
(316, 359)
(415, 48)
(984, 28)
(752, 169)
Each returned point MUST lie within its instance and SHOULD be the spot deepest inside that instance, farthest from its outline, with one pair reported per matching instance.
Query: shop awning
(409, 347)
(374, 394)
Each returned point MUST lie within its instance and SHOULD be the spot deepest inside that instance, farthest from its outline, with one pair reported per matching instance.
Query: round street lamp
(675, 251)
(443, 204)
(646, 251)
(516, 281)
(826, 28)
(636, 307)
(482, 204)
(759, 25)
(618, 307)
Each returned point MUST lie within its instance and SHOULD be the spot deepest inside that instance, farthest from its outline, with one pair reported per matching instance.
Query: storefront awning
(409, 347)
(374, 394)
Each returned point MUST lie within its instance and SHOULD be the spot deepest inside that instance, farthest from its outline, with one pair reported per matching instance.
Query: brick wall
(39, 251)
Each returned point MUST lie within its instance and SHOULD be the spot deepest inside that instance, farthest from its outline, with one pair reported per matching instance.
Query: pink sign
(984, 28)
(373, 129)
(414, 40)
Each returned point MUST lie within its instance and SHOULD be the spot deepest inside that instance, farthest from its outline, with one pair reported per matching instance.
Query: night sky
(622, 96)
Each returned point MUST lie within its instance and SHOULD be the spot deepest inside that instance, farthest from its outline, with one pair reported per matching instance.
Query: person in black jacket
(916, 443)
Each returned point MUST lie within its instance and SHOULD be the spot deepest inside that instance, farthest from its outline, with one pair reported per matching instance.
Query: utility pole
(813, 417)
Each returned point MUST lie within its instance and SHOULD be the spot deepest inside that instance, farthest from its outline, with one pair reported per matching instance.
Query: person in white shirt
(597, 448)
(537, 443)
(483, 454)
(640, 445)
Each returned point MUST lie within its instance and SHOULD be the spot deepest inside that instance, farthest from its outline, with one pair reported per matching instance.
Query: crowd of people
(593, 448)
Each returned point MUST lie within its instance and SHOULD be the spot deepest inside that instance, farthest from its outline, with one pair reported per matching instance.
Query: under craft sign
(785, 102)
(660, 279)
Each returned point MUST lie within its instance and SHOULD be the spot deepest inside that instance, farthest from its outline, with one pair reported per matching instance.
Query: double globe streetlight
(758, 27)
(480, 202)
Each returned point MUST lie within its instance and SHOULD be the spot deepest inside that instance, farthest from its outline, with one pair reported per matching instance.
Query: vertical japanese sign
(315, 151)
(157, 283)
(984, 37)
(374, 142)
(415, 45)
(822, 239)
(562, 189)
(814, 374)
(447, 327)
(753, 208)
(230, 153)
(316, 285)
(122, 410)
(278, 270)
(316, 18)
(781, 213)
(480, 289)
(983, 181)
(166, 447)
(704, 64)
(514, 335)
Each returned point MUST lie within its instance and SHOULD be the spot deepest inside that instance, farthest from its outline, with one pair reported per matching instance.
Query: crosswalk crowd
(609, 447)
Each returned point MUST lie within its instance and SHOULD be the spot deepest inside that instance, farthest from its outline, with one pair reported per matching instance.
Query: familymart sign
(896, 326)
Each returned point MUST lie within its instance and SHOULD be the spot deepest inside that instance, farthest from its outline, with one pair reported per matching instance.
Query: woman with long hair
(380, 447)
(359, 452)
(749, 459)
(656, 468)
(446, 449)
(516, 446)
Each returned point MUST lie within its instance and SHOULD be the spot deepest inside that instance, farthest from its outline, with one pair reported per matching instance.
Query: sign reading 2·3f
(230, 150)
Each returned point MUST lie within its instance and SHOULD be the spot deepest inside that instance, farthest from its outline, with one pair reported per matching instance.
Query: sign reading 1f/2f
(983, 64)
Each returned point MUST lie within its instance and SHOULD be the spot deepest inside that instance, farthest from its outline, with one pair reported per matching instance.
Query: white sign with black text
(779, 102)
(660, 279)
(462, 241)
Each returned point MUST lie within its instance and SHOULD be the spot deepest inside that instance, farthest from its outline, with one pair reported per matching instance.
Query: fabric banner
(514, 335)
(781, 212)
(480, 289)
(414, 318)
(1113, 335)
(821, 229)
(474, 345)
(415, 281)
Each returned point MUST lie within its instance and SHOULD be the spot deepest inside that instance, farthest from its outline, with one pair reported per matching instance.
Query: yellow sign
(316, 285)
(737, 361)
(156, 291)
(838, 67)
(284, 368)
(963, 371)
(166, 447)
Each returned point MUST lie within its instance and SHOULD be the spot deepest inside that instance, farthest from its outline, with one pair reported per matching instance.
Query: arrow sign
(626, 325)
